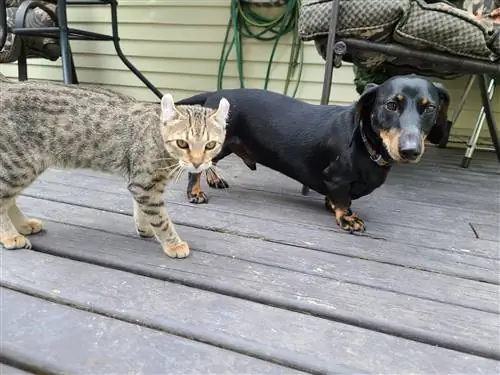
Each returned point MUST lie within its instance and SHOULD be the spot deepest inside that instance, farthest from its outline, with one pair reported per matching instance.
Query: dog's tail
(196, 99)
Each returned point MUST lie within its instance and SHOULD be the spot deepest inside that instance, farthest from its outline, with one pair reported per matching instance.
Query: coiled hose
(245, 22)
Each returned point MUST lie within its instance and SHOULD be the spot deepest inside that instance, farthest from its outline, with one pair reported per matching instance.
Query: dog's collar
(374, 156)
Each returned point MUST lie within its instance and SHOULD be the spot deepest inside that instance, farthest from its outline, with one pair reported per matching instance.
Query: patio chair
(24, 22)
(404, 36)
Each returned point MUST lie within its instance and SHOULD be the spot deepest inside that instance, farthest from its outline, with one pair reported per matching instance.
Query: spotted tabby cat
(46, 125)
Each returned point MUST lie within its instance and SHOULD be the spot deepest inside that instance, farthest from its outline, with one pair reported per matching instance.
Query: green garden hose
(244, 21)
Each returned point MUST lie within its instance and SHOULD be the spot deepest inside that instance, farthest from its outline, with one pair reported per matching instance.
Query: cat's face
(193, 134)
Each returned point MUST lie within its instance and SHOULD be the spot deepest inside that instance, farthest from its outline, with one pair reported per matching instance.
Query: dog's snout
(410, 146)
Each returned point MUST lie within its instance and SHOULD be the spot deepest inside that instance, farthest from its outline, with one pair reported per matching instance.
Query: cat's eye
(182, 144)
(210, 145)
(391, 106)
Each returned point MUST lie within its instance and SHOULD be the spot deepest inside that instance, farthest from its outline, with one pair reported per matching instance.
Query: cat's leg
(10, 238)
(194, 192)
(142, 226)
(23, 224)
(148, 195)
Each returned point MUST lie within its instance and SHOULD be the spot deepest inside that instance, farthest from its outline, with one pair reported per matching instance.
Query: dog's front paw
(349, 221)
(197, 198)
(30, 226)
(215, 182)
(16, 241)
(177, 250)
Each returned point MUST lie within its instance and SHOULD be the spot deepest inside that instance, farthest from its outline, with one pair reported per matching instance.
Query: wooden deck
(272, 285)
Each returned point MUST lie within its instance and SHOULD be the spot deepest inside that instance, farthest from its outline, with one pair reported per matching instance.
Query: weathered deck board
(227, 321)
(407, 281)
(271, 279)
(69, 340)
(421, 319)
(7, 370)
(319, 237)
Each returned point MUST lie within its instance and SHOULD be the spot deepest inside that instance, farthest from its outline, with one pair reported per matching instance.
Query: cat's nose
(196, 165)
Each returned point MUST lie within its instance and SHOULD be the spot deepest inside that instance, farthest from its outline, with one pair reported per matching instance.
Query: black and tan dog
(342, 152)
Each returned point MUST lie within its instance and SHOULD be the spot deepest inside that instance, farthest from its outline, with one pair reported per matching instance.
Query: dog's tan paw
(349, 221)
(17, 241)
(177, 250)
(30, 226)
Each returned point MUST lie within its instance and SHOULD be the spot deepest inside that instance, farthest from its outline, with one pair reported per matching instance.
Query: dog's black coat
(321, 146)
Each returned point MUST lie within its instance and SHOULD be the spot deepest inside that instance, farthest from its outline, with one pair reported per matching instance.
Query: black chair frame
(65, 34)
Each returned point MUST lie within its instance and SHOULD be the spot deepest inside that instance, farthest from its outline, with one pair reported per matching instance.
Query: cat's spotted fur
(45, 125)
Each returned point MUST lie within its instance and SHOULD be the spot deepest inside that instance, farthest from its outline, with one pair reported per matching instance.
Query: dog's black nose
(410, 153)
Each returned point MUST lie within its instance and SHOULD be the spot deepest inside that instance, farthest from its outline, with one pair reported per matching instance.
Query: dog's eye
(182, 144)
(391, 106)
(210, 145)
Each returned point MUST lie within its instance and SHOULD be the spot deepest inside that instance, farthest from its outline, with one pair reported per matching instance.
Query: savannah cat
(45, 125)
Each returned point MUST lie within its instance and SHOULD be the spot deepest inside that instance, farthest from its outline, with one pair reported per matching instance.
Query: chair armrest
(26, 6)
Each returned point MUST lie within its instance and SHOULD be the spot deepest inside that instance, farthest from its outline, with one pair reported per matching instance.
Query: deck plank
(460, 261)
(408, 281)
(36, 331)
(260, 330)
(8, 370)
(421, 319)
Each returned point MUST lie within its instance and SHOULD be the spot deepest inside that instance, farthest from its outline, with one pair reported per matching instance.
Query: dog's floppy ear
(442, 126)
(365, 101)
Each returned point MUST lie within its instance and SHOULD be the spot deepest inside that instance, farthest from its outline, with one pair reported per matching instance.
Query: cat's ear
(168, 110)
(222, 112)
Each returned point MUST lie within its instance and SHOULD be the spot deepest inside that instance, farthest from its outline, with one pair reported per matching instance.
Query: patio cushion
(47, 48)
(416, 24)
(375, 22)
(444, 28)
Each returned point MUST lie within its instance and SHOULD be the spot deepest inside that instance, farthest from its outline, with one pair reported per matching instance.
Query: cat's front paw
(197, 197)
(177, 250)
(16, 241)
(30, 226)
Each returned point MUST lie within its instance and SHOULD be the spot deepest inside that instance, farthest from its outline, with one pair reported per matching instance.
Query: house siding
(177, 46)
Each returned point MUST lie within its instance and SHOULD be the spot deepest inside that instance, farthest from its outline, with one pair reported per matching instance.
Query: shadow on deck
(272, 285)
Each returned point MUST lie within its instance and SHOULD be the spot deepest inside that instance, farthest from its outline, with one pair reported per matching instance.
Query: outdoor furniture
(55, 33)
(404, 36)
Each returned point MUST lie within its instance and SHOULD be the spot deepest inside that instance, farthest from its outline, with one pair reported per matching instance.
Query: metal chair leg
(22, 64)
(490, 120)
(62, 20)
(328, 76)
(471, 145)
(121, 55)
(458, 110)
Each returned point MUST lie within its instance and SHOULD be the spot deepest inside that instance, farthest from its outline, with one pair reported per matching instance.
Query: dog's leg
(194, 192)
(238, 147)
(341, 208)
(213, 178)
